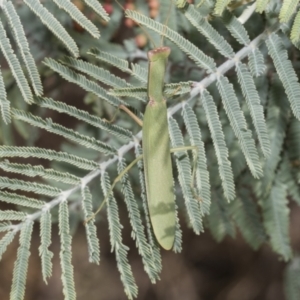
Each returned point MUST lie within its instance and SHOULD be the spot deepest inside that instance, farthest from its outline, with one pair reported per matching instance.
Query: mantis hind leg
(183, 148)
(117, 179)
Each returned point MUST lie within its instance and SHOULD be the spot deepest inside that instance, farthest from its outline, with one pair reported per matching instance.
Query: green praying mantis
(156, 153)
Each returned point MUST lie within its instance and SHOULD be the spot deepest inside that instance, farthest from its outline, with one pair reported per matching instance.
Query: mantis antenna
(166, 22)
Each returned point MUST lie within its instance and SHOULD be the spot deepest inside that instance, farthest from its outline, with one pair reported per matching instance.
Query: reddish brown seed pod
(129, 23)
(108, 8)
(141, 40)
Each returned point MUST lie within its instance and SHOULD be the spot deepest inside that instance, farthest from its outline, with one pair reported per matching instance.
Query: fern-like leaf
(116, 241)
(14, 65)
(288, 176)
(19, 34)
(98, 8)
(256, 62)
(276, 220)
(277, 121)
(6, 240)
(82, 81)
(202, 175)
(53, 24)
(5, 226)
(38, 188)
(221, 6)
(84, 116)
(65, 254)
(177, 246)
(285, 71)
(288, 8)
(33, 171)
(256, 109)
(4, 103)
(192, 51)
(136, 224)
(137, 71)
(236, 28)
(219, 219)
(78, 16)
(67, 133)
(21, 264)
(295, 33)
(45, 254)
(11, 151)
(11, 215)
(185, 177)
(208, 31)
(91, 230)
(261, 5)
(245, 214)
(21, 200)
(95, 72)
(239, 126)
(221, 150)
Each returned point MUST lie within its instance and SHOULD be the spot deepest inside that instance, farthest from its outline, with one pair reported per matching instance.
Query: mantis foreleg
(119, 177)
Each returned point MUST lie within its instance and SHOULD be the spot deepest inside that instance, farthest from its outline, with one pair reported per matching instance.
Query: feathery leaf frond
(91, 230)
(84, 116)
(136, 224)
(32, 171)
(236, 28)
(256, 109)
(82, 81)
(11, 215)
(14, 65)
(98, 8)
(208, 31)
(21, 264)
(276, 220)
(94, 71)
(38, 188)
(288, 8)
(137, 71)
(52, 23)
(6, 240)
(245, 214)
(11, 151)
(192, 51)
(277, 121)
(221, 150)
(65, 254)
(256, 62)
(295, 33)
(221, 6)
(67, 133)
(44, 252)
(239, 125)
(202, 175)
(185, 177)
(78, 16)
(19, 34)
(285, 71)
(219, 219)
(20, 200)
(116, 241)
(4, 103)
(261, 5)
